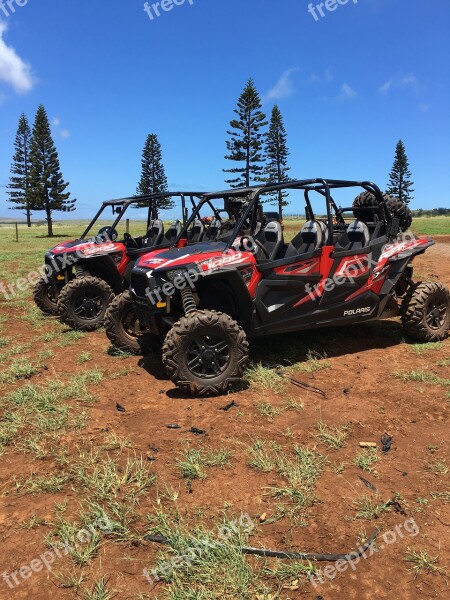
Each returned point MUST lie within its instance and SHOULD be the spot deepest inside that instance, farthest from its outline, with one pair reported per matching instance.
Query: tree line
(257, 146)
(259, 150)
(36, 182)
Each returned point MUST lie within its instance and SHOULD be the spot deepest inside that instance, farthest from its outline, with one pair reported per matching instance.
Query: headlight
(176, 273)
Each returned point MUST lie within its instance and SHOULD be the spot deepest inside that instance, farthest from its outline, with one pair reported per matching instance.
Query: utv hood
(181, 257)
(85, 247)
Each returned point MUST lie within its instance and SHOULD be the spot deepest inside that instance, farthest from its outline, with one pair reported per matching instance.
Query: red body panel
(208, 262)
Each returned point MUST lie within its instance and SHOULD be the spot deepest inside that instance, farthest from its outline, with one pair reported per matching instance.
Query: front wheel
(426, 312)
(205, 352)
(123, 328)
(83, 302)
(45, 297)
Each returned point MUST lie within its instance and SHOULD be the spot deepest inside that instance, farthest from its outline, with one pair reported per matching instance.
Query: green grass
(69, 338)
(333, 437)
(420, 349)
(84, 357)
(299, 470)
(19, 369)
(42, 484)
(421, 225)
(438, 468)
(431, 225)
(422, 377)
(368, 508)
(193, 462)
(216, 568)
(262, 458)
(43, 411)
(366, 459)
(422, 561)
(107, 480)
(264, 379)
(314, 362)
(99, 591)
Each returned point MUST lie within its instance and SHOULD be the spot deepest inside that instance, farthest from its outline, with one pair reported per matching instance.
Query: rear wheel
(45, 297)
(426, 312)
(205, 353)
(123, 328)
(83, 302)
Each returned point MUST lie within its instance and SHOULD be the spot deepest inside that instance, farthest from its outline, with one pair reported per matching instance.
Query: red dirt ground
(363, 360)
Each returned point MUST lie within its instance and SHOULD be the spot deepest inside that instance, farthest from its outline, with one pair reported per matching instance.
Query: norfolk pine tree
(277, 158)
(47, 186)
(18, 188)
(400, 182)
(247, 140)
(153, 177)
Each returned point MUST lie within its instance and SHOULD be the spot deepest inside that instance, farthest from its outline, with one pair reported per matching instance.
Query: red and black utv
(83, 276)
(208, 298)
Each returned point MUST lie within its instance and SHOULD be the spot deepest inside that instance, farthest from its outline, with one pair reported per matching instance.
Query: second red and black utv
(207, 299)
(84, 275)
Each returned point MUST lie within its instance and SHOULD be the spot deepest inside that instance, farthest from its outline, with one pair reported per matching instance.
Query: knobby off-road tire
(83, 302)
(205, 353)
(45, 297)
(123, 330)
(398, 208)
(426, 312)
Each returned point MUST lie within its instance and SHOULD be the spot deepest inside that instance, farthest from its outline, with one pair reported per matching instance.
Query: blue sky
(349, 86)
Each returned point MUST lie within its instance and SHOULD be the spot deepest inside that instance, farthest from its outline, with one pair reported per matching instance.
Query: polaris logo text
(357, 311)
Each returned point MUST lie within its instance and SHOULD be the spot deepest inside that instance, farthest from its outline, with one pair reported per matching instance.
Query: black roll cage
(253, 194)
(124, 203)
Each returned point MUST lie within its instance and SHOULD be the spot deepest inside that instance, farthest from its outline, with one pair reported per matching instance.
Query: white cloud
(407, 82)
(424, 107)
(384, 89)
(13, 70)
(284, 86)
(410, 82)
(62, 133)
(326, 77)
(347, 92)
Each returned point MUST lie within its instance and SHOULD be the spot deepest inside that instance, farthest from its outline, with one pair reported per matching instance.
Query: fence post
(127, 226)
(17, 232)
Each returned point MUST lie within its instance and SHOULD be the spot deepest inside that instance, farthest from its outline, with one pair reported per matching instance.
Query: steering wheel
(129, 240)
(254, 242)
(106, 234)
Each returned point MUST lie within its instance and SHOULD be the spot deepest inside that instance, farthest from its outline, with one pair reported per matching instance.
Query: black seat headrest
(310, 238)
(271, 237)
(197, 231)
(173, 232)
(358, 235)
(154, 234)
(213, 231)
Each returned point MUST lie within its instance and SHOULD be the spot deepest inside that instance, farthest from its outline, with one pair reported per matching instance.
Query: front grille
(139, 284)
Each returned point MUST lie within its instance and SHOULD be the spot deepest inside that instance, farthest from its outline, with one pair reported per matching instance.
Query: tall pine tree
(47, 186)
(18, 188)
(277, 158)
(247, 139)
(400, 183)
(153, 177)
